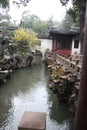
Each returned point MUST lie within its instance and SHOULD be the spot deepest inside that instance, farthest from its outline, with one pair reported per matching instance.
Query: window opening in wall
(76, 44)
(63, 45)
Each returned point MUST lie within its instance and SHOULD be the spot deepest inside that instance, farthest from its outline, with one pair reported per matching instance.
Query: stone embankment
(64, 79)
(11, 58)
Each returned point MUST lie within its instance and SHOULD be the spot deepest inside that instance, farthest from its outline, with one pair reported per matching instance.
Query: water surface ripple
(27, 91)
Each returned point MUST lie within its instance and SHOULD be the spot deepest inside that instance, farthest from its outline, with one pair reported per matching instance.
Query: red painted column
(55, 44)
(52, 44)
(81, 112)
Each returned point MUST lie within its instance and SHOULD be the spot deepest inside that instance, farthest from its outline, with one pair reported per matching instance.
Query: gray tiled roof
(61, 30)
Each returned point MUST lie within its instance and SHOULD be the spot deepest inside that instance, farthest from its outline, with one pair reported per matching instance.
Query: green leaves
(33, 22)
(21, 2)
(4, 3)
(64, 2)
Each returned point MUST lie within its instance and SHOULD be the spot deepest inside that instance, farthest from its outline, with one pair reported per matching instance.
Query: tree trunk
(81, 111)
(82, 9)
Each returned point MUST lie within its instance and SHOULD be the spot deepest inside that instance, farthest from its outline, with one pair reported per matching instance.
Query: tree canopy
(33, 22)
(25, 36)
(64, 2)
(21, 2)
(4, 3)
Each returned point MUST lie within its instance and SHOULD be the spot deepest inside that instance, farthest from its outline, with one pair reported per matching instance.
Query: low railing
(68, 63)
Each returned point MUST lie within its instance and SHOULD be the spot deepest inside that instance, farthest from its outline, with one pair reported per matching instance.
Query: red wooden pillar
(81, 112)
(54, 45)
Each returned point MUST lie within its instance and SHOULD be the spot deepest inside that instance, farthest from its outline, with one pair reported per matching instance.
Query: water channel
(27, 91)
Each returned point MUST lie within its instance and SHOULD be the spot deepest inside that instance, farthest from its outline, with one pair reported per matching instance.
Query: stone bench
(33, 121)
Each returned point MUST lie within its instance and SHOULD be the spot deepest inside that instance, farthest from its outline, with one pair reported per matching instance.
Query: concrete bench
(33, 121)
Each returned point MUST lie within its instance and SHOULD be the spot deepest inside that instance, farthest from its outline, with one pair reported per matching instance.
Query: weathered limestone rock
(64, 79)
(33, 121)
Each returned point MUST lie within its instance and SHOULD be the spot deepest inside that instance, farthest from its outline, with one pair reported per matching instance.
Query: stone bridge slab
(33, 121)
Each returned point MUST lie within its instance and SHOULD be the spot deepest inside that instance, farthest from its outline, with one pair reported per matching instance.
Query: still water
(27, 91)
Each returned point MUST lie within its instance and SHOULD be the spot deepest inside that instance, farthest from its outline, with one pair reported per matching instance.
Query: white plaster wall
(45, 44)
(75, 50)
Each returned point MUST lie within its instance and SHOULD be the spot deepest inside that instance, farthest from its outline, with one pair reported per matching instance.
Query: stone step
(33, 121)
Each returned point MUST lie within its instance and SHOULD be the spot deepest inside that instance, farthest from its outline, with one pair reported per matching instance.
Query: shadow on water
(27, 91)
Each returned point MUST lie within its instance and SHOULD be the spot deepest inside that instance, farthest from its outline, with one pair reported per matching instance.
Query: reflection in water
(27, 91)
(59, 113)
